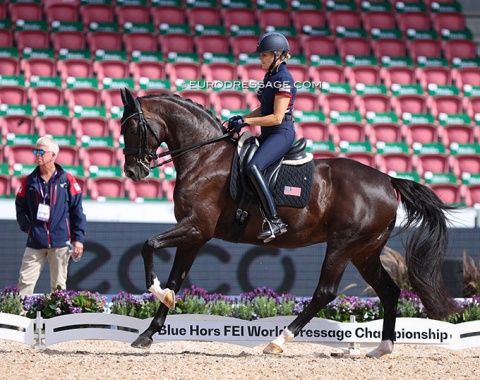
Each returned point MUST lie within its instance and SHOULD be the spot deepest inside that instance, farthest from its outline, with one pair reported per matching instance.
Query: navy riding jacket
(278, 82)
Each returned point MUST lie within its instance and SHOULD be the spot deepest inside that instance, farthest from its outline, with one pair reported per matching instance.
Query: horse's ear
(124, 98)
(130, 100)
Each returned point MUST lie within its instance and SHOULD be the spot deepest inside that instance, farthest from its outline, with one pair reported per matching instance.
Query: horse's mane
(188, 103)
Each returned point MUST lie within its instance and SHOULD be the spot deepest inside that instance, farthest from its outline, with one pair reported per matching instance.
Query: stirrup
(276, 227)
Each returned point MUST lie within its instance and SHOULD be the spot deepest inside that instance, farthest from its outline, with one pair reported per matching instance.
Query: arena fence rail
(41, 333)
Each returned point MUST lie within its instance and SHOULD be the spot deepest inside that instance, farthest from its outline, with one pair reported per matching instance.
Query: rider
(276, 95)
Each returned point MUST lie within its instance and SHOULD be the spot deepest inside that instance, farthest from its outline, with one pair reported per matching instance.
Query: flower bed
(261, 303)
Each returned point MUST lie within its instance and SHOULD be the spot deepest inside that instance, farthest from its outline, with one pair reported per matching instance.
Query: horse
(352, 209)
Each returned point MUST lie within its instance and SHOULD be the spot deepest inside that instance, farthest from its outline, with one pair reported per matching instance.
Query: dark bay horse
(352, 208)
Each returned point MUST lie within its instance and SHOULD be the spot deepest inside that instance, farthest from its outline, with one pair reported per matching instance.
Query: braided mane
(187, 103)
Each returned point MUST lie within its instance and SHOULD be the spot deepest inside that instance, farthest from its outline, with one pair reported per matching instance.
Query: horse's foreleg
(144, 340)
(377, 277)
(173, 237)
(326, 292)
(184, 259)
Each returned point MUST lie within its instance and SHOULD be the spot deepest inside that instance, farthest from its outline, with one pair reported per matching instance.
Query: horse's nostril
(129, 173)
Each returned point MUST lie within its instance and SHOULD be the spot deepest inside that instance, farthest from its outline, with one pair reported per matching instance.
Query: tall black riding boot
(275, 225)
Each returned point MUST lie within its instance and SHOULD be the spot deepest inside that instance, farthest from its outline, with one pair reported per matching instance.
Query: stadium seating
(400, 59)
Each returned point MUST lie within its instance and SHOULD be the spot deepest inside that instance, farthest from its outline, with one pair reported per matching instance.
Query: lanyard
(44, 196)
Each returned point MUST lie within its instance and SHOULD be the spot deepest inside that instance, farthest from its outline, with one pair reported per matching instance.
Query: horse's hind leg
(377, 277)
(333, 268)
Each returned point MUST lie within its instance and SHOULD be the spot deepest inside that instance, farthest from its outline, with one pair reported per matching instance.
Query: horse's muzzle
(135, 173)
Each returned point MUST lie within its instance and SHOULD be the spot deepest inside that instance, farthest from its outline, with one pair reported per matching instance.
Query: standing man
(49, 209)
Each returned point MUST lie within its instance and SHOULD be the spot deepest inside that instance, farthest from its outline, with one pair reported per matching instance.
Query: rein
(182, 151)
(151, 155)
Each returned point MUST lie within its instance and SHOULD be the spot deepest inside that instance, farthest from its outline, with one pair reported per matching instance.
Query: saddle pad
(294, 185)
(292, 188)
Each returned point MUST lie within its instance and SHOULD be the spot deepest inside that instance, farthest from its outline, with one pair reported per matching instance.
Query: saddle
(289, 178)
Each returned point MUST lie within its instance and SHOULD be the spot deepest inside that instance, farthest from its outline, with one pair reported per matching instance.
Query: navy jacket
(67, 220)
(278, 82)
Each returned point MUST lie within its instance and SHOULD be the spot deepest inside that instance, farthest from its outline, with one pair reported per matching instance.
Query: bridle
(150, 155)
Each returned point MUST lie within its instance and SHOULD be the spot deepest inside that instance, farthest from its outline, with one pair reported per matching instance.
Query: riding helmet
(272, 41)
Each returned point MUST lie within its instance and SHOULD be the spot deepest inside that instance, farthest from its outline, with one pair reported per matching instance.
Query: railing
(41, 333)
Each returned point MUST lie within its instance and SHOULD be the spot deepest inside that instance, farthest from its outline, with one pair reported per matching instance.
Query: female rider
(274, 116)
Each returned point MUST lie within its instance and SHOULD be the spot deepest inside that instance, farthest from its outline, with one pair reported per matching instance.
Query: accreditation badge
(43, 212)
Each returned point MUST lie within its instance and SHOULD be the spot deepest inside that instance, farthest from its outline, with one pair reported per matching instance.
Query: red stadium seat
(230, 100)
(179, 43)
(353, 46)
(273, 17)
(378, 20)
(448, 20)
(167, 15)
(93, 12)
(43, 67)
(347, 18)
(35, 39)
(134, 13)
(390, 47)
(466, 75)
(430, 161)
(25, 11)
(398, 75)
(148, 68)
(62, 11)
(73, 40)
(243, 44)
(150, 188)
(318, 45)
(423, 133)
(140, 42)
(424, 48)
(75, 67)
(337, 102)
(238, 16)
(203, 16)
(310, 17)
(106, 188)
(413, 20)
(440, 75)
(459, 49)
(212, 44)
(378, 103)
(10, 65)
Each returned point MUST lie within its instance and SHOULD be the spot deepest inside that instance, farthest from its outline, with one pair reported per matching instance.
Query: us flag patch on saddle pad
(292, 190)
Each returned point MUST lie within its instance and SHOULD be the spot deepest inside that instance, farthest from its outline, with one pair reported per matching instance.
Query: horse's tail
(426, 246)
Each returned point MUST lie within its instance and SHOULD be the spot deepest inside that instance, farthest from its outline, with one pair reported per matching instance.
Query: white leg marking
(385, 347)
(285, 336)
(166, 296)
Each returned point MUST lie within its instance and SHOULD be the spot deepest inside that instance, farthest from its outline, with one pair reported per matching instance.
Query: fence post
(39, 333)
(353, 347)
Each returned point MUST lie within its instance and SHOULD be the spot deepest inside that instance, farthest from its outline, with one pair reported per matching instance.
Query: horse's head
(141, 135)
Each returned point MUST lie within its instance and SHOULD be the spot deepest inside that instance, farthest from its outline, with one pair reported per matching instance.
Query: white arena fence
(41, 333)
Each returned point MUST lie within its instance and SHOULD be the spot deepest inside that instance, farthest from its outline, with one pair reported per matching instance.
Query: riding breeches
(273, 147)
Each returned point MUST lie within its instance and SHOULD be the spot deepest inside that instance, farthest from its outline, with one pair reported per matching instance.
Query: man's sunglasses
(41, 152)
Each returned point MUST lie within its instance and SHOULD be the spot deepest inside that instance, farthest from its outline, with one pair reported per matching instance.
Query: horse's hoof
(142, 342)
(169, 300)
(273, 348)
(385, 347)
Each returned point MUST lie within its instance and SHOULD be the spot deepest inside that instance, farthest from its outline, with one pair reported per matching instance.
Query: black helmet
(272, 41)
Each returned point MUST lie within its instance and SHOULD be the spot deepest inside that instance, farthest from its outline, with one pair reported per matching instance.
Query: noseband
(143, 149)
